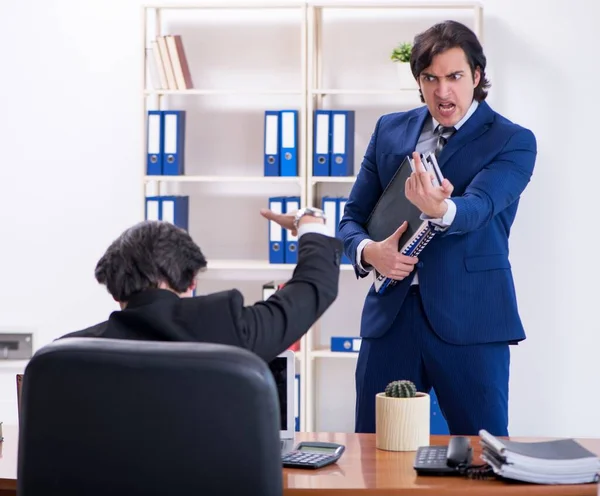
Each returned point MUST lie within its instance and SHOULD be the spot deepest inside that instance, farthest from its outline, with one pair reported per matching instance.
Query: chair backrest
(103, 416)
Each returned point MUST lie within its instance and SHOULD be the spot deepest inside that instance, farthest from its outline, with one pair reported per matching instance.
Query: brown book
(181, 68)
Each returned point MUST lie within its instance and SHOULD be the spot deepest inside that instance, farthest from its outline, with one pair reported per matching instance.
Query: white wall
(71, 164)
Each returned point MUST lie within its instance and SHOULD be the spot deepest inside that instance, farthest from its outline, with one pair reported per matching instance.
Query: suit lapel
(408, 135)
(475, 126)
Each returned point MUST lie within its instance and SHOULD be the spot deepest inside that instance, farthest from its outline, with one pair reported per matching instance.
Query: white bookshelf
(313, 92)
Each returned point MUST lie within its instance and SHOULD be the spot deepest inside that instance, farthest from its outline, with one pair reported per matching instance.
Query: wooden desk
(365, 470)
(362, 470)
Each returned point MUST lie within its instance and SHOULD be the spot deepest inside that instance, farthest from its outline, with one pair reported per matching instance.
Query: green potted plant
(402, 417)
(401, 57)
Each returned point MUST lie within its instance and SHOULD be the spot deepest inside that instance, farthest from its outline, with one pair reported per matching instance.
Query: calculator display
(317, 449)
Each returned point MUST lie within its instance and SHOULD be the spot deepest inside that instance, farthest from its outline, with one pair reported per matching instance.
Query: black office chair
(114, 417)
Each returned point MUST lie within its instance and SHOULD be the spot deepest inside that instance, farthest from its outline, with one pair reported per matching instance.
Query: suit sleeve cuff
(366, 268)
(312, 227)
(446, 221)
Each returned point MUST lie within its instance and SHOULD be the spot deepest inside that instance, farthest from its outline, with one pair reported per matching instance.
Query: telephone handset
(445, 460)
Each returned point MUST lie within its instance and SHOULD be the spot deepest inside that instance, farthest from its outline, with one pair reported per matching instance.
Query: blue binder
(322, 143)
(152, 210)
(173, 142)
(342, 142)
(277, 234)
(339, 213)
(330, 207)
(272, 143)
(154, 142)
(297, 402)
(346, 344)
(173, 209)
(437, 424)
(289, 142)
(291, 204)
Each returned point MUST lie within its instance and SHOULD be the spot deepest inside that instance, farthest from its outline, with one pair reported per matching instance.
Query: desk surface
(362, 469)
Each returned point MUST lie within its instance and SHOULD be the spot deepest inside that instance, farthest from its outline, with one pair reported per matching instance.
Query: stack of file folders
(562, 461)
(393, 208)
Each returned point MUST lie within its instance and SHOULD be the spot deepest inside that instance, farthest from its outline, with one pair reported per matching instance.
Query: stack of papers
(563, 461)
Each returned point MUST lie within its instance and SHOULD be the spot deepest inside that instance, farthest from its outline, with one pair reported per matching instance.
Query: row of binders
(165, 141)
(174, 209)
(333, 143)
(283, 246)
(168, 65)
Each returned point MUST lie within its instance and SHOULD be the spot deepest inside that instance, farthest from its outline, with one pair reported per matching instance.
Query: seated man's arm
(270, 327)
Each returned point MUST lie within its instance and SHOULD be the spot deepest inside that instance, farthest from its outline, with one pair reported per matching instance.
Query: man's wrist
(366, 252)
(440, 211)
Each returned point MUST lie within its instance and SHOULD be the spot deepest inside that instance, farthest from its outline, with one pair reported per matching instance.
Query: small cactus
(401, 389)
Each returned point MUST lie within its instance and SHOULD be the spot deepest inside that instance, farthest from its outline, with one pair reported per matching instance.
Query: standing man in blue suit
(449, 321)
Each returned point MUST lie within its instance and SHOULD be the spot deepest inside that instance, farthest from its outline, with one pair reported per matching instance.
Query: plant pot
(402, 424)
(407, 80)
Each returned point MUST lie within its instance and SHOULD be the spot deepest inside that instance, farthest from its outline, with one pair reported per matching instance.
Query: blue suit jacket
(465, 275)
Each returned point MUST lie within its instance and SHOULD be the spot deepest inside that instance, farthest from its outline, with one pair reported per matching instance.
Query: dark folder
(391, 210)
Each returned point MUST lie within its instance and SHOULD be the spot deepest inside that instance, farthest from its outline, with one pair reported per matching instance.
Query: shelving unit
(313, 92)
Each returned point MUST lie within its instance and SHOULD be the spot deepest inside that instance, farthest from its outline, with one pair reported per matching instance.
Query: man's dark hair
(147, 254)
(442, 37)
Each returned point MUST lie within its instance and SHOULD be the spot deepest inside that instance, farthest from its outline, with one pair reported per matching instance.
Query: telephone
(445, 460)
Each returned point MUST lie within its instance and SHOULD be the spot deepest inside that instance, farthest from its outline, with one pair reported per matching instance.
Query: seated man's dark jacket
(266, 328)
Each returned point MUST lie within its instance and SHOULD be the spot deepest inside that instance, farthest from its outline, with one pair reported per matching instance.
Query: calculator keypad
(305, 458)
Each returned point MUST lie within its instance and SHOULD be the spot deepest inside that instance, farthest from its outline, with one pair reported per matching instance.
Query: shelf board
(228, 6)
(425, 5)
(332, 179)
(325, 353)
(333, 91)
(256, 265)
(247, 265)
(225, 179)
(233, 91)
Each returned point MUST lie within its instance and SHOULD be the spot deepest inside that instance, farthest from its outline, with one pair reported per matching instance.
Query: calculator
(313, 454)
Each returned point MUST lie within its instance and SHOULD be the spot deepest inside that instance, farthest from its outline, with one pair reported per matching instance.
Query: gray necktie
(443, 134)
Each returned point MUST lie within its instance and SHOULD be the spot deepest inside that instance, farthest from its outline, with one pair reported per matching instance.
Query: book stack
(562, 461)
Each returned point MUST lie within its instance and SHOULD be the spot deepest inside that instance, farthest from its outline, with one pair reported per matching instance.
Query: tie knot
(444, 131)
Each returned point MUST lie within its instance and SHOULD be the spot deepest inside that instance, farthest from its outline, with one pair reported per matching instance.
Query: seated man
(150, 271)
